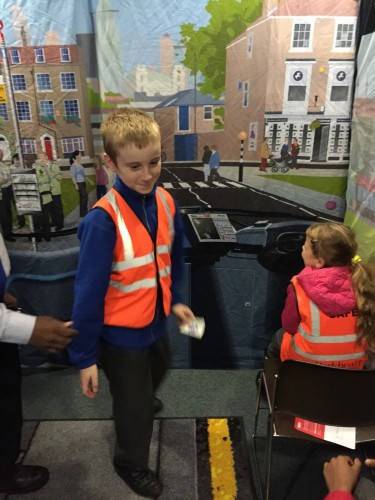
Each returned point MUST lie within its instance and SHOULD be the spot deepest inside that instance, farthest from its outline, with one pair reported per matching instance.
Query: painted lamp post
(242, 136)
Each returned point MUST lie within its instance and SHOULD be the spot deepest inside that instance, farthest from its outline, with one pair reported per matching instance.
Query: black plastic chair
(317, 393)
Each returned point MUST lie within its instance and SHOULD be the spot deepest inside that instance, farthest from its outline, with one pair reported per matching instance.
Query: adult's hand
(341, 473)
(51, 334)
(10, 301)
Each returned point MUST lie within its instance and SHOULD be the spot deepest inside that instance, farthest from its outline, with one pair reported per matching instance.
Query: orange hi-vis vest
(322, 339)
(138, 264)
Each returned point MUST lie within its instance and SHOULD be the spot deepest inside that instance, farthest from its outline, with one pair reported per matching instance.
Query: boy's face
(139, 169)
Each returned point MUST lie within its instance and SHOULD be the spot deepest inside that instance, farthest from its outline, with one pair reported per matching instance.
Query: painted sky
(140, 23)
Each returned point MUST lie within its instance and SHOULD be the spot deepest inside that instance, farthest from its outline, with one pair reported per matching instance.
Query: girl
(101, 177)
(329, 313)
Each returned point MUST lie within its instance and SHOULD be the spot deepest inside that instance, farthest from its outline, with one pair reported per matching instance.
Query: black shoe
(25, 479)
(144, 482)
(158, 405)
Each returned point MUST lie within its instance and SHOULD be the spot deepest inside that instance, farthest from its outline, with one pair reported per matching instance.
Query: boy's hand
(341, 473)
(183, 313)
(88, 379)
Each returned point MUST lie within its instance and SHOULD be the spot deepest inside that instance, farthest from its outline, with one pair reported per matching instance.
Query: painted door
(321, 143)
(48, 146)
(185, 147)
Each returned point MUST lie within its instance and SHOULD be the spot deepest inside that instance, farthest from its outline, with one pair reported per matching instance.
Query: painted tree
(206, 46)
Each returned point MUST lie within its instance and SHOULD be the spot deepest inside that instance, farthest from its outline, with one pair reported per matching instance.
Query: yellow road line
(223, 478)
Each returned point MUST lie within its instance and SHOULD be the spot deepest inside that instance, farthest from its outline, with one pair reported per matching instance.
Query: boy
(129, 274)
(214, 164)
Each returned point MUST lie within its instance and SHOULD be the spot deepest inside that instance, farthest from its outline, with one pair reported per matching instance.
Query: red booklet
(311, 428)
(344, 436)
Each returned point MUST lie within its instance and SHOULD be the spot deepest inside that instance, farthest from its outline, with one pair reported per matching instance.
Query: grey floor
(54, 394)
(51, 394)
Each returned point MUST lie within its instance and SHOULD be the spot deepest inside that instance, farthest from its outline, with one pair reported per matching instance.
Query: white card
(194, 329)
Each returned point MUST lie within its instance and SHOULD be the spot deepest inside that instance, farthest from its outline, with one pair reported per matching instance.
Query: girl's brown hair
(336, 244)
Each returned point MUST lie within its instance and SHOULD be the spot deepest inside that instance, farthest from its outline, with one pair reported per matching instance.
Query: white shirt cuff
(18, 327)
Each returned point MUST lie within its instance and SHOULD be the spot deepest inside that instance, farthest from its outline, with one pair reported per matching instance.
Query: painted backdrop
(221, 72)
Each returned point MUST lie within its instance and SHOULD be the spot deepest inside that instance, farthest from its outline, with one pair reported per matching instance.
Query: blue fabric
(3, 281)
(78, 172)
(97, 235)
(215, 160)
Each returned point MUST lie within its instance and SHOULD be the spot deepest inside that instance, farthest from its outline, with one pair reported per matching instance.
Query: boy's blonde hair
(336, 244)
(128, 126)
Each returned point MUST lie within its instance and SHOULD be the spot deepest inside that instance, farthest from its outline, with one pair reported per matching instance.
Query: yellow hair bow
(356, 259)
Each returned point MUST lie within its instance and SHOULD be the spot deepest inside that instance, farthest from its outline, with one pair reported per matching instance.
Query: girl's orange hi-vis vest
(322, 339)
(138, 265)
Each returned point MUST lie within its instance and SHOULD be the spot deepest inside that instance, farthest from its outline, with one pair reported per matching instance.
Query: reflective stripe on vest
(138, 264)
(315, 340)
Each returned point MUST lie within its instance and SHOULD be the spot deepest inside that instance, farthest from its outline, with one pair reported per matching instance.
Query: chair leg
(254, 436)
(269, 454)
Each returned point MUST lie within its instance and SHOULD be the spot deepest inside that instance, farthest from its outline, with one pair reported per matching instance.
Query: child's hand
(183, 313)
(341, 473)
(88, 378)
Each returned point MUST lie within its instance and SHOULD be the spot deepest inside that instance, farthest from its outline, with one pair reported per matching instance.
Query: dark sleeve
(177, 257)
(97, 235)
(290, 318)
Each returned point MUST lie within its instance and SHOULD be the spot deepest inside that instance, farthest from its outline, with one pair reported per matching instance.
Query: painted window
(47, 112)
(183, 118)
(19, 83)
(64, 54)
(39, 56)
(4, 111)
(339, 93)
(70, 144)
(301, 36)
(71, 107)
(15, 56)
(23, 111)
(43, 81)
(296, 93)
(68, 81)
(207, 112)
(28, 146)
(345, 36)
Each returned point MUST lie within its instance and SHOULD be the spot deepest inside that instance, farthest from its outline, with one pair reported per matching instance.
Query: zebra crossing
(200, 184)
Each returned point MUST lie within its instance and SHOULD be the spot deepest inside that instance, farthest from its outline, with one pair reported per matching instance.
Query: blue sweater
(97, 235)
